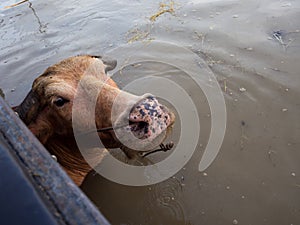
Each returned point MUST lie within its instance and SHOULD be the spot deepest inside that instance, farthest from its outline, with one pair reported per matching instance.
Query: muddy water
(253, 49)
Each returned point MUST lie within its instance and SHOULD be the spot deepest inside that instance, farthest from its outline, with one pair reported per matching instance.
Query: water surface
(252, 47)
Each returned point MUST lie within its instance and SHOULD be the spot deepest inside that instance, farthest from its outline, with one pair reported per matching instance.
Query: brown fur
(52, 124)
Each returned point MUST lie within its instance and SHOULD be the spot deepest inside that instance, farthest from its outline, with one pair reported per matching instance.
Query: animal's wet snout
(148, 118)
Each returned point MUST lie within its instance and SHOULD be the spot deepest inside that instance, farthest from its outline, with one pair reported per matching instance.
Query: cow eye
(59, 102)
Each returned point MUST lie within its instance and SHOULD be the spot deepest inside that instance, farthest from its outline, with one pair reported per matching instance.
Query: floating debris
(277, 35)
(284, 110)
(2, 93)
(293, 174)
(287, 4)
(225, 86)
(163, 8)
(205, 174)
(136, 35)
(212, 27)
(242, 89)
(136, 65)
(16, 4)
(235, 222)
(235, 16)
(272, 156)
(275, 69)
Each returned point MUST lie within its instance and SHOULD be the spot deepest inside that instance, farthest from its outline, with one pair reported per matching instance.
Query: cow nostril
(139, 128)
(139, 125)
(142, 125)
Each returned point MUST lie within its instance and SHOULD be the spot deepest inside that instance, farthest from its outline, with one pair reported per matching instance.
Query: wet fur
(37, 115)
(53, 126)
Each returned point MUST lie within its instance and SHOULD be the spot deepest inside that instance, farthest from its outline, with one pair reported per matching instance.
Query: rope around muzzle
(163, 147)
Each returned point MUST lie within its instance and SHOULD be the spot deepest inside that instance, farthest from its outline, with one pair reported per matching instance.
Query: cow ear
(31, 113)
(109, 63)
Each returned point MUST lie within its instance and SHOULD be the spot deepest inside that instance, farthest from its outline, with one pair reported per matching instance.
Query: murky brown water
(252, 47)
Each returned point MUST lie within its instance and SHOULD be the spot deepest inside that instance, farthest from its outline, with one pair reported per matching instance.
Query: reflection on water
(253, 50)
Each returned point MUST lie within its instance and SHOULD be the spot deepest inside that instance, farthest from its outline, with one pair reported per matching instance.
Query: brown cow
(47, 111)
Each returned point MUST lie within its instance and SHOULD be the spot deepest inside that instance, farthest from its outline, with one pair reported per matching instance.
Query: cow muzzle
(145, 125)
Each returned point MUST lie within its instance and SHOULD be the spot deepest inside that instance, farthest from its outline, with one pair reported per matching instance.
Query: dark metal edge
(71, 204)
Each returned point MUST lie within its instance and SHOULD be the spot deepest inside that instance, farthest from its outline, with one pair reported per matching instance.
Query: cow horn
(29, 108)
